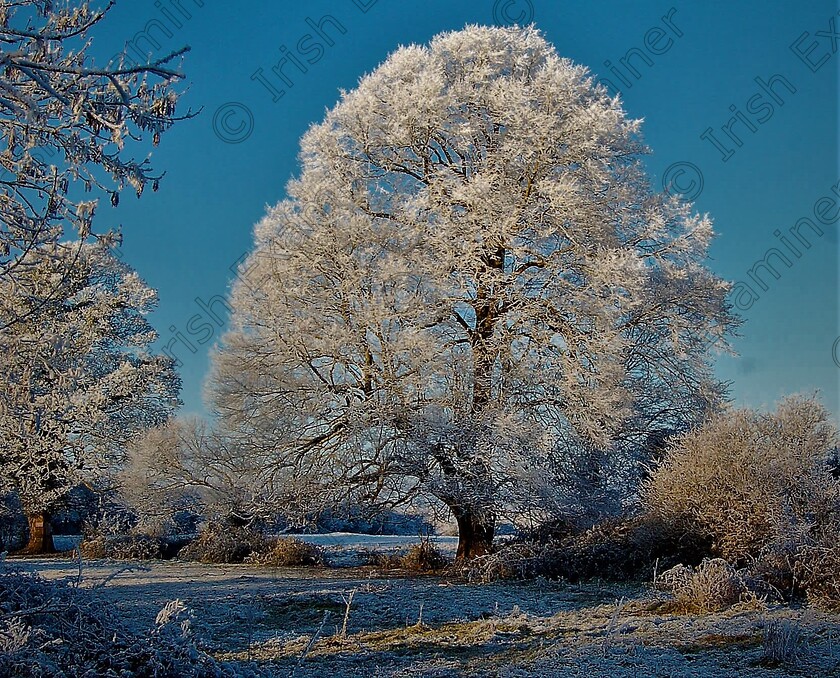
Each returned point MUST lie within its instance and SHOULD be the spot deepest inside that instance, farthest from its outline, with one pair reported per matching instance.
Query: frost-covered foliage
(817, 571)
(52, 629)
(67, 126)
(753, 482)
(471, 277)
(77, 377)
(424, 556)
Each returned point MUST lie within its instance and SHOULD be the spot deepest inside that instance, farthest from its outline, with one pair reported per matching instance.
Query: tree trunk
(40, 534)
(475, 535)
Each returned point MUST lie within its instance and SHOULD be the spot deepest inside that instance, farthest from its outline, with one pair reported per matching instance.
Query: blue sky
(740, 102)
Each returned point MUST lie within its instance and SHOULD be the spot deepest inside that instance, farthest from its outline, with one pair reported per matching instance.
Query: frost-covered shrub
(175, 517)
(712, 586)
(123, 547)
(749, 480)
(817, 570)
(514, 561)
(425, 556)
(224, 543)
(51, 629)
(287, 552)
(630, 548)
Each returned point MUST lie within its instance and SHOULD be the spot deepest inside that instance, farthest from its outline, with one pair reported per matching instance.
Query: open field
(269, 616)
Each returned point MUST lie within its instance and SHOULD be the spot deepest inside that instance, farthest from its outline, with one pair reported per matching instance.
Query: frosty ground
(410, 625)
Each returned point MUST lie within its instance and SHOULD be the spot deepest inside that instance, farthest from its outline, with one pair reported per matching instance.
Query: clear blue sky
(692, 70)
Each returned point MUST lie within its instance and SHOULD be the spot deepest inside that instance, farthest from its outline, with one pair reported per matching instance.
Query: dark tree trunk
(475, 534)
(40, 534)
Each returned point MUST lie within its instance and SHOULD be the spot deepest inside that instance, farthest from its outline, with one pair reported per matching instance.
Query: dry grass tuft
(424, 556)
(783, 643)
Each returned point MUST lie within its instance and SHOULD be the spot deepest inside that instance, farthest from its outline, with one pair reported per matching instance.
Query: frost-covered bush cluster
(751, 480)
(226, 543)
(50, 629)
(746, 505)
(762, 488)
(618, 549)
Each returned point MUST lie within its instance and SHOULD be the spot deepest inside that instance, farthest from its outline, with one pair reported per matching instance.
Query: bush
(712, 586)
(516, 560)
(631, 548)
(287, 552)
(817, 570)
(424, 556)
(224, 543)
(751, 482)
(52, 629)
(124, 547)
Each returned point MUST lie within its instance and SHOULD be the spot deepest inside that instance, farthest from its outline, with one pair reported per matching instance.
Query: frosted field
(268, 616)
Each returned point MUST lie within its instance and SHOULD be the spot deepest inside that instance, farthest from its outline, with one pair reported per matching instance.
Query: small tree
(65, 126)
(470, 277)
(77, 380)
(750, 480)
(188, 457)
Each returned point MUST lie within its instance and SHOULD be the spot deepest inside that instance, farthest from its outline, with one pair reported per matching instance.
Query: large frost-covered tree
(68, 126)
(470, 281)
(77, 378)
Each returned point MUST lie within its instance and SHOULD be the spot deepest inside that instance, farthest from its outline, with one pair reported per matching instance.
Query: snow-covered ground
(436, 627)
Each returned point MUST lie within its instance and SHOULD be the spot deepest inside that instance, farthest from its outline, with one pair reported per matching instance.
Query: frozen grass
(290, 621)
